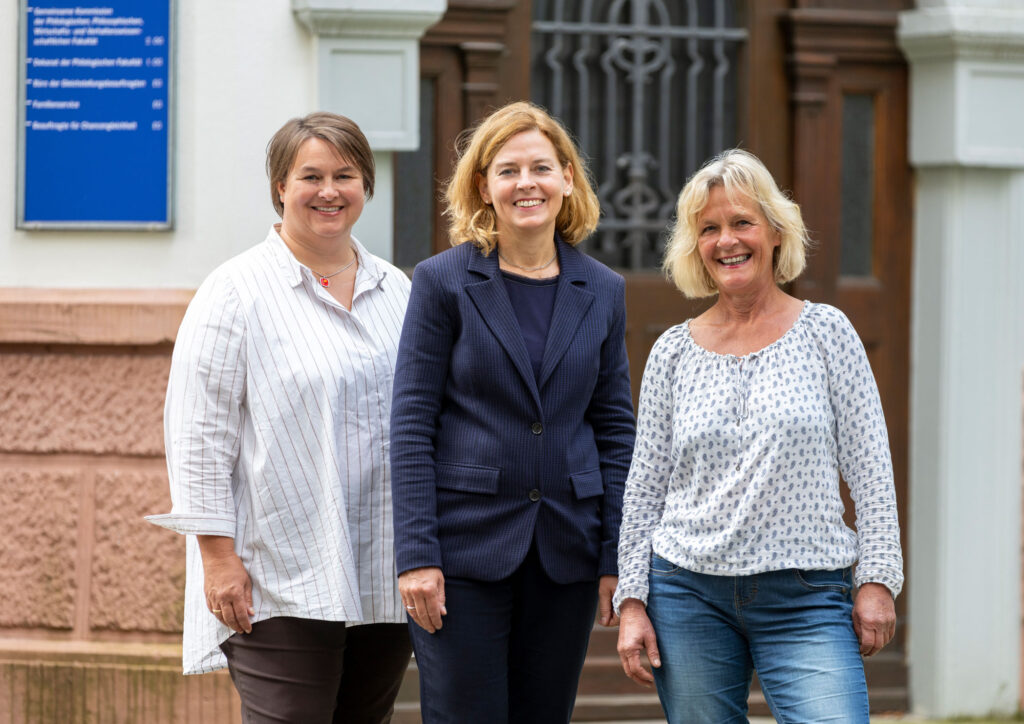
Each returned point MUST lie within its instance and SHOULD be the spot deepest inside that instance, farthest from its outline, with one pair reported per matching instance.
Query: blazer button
(534, 495)
(537, 428)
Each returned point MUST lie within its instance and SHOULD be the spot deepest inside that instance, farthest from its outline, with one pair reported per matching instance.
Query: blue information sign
(94, 131)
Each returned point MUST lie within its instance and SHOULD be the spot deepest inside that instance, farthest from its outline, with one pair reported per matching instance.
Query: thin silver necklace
(545, 265)
(325, 279)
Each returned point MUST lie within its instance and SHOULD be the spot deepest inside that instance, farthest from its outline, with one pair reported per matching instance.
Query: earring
(568, 191)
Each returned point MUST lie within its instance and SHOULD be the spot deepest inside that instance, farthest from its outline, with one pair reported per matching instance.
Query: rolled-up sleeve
(203, 412)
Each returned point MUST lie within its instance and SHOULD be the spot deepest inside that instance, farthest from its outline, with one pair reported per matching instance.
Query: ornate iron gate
(649, 89)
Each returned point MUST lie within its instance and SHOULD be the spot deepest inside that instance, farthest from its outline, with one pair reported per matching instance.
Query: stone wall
(91, 622)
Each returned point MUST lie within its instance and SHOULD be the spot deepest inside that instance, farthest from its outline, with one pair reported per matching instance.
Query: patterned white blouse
(277, 427)
(737, 459)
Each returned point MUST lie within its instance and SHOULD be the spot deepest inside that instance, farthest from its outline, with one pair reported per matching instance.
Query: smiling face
(736, 243)
(525, 183)
(322, 195)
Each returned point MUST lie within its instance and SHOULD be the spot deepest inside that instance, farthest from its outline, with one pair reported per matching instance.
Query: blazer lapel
(572, 301)
(492, 302)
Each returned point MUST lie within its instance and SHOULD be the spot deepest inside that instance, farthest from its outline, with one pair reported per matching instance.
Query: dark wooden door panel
(803, 60)
(653, 305)
(855, 164)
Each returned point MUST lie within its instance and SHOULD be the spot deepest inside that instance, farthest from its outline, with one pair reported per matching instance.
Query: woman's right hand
(226, 583)
(636, 634)
(422, 591)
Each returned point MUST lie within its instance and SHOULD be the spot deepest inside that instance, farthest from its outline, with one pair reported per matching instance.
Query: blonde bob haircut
(470, 219)
(743, 177)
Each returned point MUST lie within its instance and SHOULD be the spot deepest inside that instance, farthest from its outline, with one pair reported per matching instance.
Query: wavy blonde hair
(470, 219)
(742, 175)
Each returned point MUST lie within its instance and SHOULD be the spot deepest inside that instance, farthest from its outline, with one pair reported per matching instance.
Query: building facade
(898, 126)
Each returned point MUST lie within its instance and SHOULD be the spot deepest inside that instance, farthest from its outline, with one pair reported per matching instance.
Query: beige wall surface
(238, 76)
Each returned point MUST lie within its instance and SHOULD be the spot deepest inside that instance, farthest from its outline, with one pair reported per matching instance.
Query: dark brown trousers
(302, 671)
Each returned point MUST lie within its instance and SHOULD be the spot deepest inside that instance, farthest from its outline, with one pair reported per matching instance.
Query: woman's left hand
(874, 618)
(605, 591)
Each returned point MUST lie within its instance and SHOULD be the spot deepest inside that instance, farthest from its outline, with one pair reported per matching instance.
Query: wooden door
(852, 178)
(818, 93)
(472, 61)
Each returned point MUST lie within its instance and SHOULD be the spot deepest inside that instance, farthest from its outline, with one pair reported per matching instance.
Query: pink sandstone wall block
(38, 547)
(93, 403)
(138, 569)
(122, 317)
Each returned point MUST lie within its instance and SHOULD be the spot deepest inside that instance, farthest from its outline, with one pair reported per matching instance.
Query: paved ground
(755, 720)
(768, 720)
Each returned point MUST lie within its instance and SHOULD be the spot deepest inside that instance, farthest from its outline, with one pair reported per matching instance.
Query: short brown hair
(470, 219)
(338, 131)
(741, 174)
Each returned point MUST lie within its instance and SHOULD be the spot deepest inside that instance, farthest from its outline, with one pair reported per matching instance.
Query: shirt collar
(289, 265)
(369, 274)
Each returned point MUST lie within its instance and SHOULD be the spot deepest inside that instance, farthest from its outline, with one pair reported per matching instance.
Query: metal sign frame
(123, 219)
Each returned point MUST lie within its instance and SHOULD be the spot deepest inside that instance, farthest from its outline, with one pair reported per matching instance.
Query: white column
(967, 146)
(368, 69)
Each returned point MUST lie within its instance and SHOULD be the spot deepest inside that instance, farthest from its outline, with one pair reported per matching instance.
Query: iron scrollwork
(610, 70)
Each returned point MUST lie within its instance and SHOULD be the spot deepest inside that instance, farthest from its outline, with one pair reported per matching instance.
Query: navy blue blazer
(486, 457)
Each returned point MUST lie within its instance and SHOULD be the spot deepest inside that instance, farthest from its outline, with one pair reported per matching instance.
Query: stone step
(617, 707)
(884, 669)
(605, 693)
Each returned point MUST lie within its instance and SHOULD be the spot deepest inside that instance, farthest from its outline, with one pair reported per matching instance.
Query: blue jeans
(793, 627)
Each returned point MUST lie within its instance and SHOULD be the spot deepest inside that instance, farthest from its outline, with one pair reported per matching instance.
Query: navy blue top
(533, 300)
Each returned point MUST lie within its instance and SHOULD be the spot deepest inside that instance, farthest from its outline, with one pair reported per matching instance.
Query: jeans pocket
(662, 567)
(823, 580)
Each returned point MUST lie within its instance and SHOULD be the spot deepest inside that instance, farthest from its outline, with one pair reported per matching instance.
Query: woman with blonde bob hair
(734, 555)
(510, 433)
(740, 173)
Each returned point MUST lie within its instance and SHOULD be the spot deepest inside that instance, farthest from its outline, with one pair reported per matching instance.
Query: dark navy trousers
(508, 652)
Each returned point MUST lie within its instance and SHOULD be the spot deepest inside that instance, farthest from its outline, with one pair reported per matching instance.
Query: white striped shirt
(276, 430)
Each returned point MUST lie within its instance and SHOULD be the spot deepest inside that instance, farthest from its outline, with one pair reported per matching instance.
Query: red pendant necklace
(325, 279)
